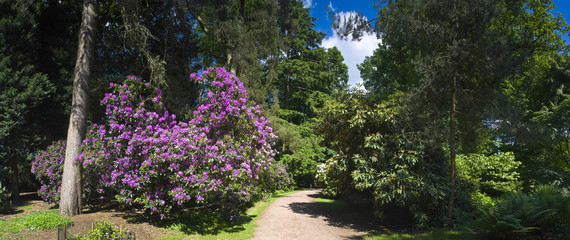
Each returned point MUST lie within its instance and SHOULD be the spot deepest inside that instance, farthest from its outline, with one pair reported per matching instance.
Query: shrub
(379, 154)
(491, 175)
(545, 211)
(554, 198)
(142, 156)
(47, 166)
(271, 178)
(333, 175)
(104, 230)
(4, 198)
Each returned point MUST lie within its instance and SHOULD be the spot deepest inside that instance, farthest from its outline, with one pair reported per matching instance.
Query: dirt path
(299, 216)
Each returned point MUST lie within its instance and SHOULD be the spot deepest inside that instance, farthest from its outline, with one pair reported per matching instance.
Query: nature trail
(299, 216)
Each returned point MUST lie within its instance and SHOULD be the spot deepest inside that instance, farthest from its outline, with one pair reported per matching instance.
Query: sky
(354, 52)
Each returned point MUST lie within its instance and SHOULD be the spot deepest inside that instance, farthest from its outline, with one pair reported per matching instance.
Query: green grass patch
(432, 235)
(333, 204)
(205, 225)
(44, 220)
(25, 208)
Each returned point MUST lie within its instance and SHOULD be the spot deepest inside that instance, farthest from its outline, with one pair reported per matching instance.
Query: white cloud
(353, 52)
(309, 4)
(331, 7)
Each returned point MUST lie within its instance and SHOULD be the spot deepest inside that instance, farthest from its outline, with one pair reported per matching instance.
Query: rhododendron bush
(48, 167)
(143, 156)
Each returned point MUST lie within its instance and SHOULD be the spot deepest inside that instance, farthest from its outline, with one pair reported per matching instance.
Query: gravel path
(299, 216)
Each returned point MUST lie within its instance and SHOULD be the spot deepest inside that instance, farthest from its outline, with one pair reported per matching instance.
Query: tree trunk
(287, 91)
(70, 199)
(229, 62)
(450, 203)
(287, 83)
(14, 187)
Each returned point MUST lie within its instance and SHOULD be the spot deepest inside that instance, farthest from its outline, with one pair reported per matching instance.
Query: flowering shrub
(150, 159)
(273, 177)
(142, 156)
(47, 166)
(332, 174)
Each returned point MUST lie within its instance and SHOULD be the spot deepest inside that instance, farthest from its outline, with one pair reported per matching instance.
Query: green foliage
(292, 116)
(558, 199)
(545, 211)
(45, 220)
(480, 200)
(333, 175)
(104, 230)
(299, 146)
(378, 154)
(432, 235)
(24, 89)
(4, 198)
(491, 175)
(388, 71)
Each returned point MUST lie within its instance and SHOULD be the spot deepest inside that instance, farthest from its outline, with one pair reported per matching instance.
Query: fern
(513, 215)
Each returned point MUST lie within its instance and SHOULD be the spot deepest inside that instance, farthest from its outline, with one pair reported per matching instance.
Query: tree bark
(450, 203)
(71, 193)
(229, 62)
(287, 91)
(14, 188)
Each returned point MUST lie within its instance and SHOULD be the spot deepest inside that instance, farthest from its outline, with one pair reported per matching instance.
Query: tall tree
(23, 88)
(243, 36)
(304, 67)
(463, 52)
(307, 75)
(71, 190)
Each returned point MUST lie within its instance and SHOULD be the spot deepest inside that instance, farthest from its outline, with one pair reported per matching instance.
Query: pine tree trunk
(70, 199)
(287, 91)
(14, 186)
(450, 203)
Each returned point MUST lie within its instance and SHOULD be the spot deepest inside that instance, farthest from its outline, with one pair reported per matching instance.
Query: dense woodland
(464, 113)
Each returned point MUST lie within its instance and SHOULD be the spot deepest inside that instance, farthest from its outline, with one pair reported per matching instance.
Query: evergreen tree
(23, 89)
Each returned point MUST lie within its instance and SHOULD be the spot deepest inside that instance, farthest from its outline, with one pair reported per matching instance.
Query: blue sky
(354, 52)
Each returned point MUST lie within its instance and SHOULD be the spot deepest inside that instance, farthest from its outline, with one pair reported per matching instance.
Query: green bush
(480, 178)
(4, 198)
(380, 155)
(545, 211)
(333, 175)
(492, 175)
(104, 230)
(552, 197)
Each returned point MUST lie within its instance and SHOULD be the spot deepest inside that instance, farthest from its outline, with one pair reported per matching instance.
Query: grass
(43, 220)
(25, 208)
(432, 235)
(209, 225)
(332, 204)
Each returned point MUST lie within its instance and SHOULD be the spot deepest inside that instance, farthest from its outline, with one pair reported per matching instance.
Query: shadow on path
(340, 213)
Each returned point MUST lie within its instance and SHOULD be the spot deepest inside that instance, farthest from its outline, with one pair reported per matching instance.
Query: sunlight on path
(298, 216)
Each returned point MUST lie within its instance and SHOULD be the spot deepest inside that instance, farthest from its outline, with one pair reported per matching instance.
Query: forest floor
(30, 202)
(301, 215)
